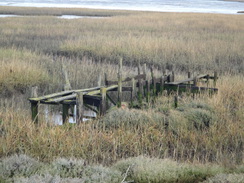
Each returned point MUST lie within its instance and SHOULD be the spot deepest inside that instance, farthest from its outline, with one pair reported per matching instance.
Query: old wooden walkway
(98, 99)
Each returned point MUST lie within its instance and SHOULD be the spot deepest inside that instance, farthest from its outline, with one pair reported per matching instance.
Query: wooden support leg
(215, 78)
(176, 101)
(65, 113)
(120, 83)
(148, 90)
(161, 85)
(103, 92)
(79, 107)
(34, 111)
(132, 91)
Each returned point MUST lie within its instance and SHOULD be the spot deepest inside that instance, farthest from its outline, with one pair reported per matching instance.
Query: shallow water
(205, 6)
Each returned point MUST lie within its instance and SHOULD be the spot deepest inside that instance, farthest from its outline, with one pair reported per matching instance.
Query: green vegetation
(21, 168)
(206, 132)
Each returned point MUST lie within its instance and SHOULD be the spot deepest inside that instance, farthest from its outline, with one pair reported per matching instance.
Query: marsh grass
(206, 129)
(198, 42)
(158, 131)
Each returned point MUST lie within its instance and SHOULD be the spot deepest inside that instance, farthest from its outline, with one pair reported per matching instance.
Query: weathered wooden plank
(111, 88)
(50, 96)
(184, 88)
(188, 80)
(91, 108)
(60, 94)
(111, 99)
(60, 99)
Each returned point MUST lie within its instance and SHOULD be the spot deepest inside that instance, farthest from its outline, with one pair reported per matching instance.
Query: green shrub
(199, 115)
(145, 170)
(131, 119)
(47, 178)
(18, 165)
(67, 167)
(97, 174)
(226, 178)
(199, 119)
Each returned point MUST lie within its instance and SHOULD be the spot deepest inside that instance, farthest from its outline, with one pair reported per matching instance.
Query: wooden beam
(188, 80)
(60, 94)
(185, 88)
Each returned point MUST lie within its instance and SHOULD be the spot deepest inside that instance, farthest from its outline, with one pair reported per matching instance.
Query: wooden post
(132, 91)
(153, 81)
(172, 77)
(65, 114)
(99, 80)
(161, 85)
(176, 101)
(189, 76)
(207, 80)
(195, 81)
(67, 85)
(215, 78)
(34, 105)
(79, 107)
(120, 83)
(140, 90)
(148, 90)
(144, 82)
(103, 92)
(34, 111)
(106, 79)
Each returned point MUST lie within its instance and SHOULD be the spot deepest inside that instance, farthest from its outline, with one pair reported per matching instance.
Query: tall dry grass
(189, 41)
(202, 130)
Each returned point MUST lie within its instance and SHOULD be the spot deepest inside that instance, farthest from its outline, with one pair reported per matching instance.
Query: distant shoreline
(242, 1)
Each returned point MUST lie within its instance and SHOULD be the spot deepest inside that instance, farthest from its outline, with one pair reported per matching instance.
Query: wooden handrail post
(189, 76)
(172, 76)
(140, 90)
(153, 81)
(34, 105)
(144, 82)
(120, 82)
(103, 107)
(161, 85)
(215, 78)
(106, 79)
(148, 90)
(132, 91)
(176, 101)
(195, 81)
(79, 107)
